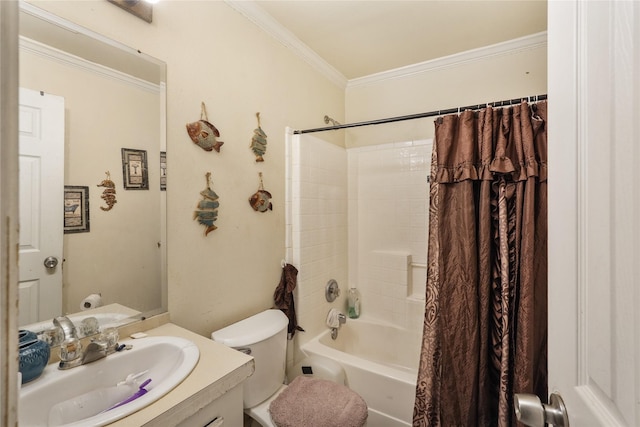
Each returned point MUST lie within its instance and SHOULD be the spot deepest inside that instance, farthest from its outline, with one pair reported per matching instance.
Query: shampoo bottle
(353, 299)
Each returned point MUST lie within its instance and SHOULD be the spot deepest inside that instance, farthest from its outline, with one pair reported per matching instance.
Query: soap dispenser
(353, 301)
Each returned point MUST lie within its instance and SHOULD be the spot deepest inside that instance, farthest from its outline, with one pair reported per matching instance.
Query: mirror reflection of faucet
(67, 326)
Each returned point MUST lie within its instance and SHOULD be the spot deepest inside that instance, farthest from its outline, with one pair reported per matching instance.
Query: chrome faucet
(342, 319)
(72, 355)
(71, 351)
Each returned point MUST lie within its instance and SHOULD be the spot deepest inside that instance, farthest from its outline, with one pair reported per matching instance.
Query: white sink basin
(78, 396)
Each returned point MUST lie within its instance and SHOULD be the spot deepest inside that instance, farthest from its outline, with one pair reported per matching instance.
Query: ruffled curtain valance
(507, 141)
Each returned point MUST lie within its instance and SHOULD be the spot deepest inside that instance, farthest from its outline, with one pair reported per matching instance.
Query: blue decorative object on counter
(33, 358)
(26, 335)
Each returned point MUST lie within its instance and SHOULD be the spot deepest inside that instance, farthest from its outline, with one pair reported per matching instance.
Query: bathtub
(381, 365)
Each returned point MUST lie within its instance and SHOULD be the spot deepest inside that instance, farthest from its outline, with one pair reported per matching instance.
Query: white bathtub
(381, 364)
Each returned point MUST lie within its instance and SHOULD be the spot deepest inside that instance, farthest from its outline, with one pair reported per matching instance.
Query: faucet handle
(109, 337)
(70, 349)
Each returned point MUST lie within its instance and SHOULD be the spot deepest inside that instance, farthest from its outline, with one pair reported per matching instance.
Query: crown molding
(254, 13)
(509, 47)
(53, 54)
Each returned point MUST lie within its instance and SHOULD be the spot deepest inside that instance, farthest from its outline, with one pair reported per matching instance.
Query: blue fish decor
(259, 142)
(260, 200)
(207, 211)
(109, 193)
(203, 133)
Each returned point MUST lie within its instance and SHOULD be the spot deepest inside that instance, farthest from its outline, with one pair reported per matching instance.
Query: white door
(594, 210)
(41, 205)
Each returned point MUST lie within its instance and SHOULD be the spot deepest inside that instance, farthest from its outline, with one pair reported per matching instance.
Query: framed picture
(163, 171)
(134, 169)
(76, 209)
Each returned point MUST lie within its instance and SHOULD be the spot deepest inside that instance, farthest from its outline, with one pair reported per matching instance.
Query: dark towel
(283, 297)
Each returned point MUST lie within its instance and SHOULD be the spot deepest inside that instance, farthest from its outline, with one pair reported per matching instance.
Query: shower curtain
(485, 324)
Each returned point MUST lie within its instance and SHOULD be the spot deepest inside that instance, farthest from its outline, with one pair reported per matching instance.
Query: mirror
(114, 99)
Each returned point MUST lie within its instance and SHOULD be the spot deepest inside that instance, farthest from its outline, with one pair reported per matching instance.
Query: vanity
(192, 381)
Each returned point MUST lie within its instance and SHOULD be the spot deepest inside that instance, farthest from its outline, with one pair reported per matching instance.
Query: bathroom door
(41, 164)
(594, 210)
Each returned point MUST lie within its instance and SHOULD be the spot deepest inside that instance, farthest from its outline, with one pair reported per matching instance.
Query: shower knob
(331, 290)
(532, 412)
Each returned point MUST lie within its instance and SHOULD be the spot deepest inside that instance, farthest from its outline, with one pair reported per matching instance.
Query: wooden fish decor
(260, 200)
(207, 212)
(259, 141)
(109, 193)
(203, 133)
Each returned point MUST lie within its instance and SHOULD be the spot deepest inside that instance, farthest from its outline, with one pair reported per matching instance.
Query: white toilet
(264, 336)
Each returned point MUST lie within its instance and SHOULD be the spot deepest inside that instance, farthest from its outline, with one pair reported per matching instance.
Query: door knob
(50, 262)
(532, 412)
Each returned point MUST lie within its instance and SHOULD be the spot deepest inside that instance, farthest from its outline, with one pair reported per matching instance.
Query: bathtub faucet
(342, 319)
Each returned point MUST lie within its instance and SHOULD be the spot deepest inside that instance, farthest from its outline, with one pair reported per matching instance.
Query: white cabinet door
(41, 205)
(594, 210)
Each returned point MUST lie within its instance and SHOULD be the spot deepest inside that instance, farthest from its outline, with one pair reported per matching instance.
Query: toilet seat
(314, 402)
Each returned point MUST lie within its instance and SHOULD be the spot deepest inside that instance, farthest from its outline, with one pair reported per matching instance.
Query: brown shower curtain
(485, 324)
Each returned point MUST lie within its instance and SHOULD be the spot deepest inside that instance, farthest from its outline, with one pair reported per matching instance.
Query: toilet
(316, 396)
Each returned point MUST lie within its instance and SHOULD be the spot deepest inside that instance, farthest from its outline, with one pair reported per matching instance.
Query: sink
(82, 396)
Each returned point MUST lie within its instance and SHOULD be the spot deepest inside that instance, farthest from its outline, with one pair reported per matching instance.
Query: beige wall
(215, 55)
(496, 77)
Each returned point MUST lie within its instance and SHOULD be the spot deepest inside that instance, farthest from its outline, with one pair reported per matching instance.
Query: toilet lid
(314, 402)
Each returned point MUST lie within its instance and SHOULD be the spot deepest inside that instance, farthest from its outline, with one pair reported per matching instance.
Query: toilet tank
(263, 336)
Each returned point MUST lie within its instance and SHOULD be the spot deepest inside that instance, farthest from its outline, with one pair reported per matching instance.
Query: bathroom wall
(506, 71)
(216, 55)
(317, 229)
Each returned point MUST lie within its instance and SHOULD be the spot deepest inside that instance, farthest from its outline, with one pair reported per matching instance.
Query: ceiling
(363, 37)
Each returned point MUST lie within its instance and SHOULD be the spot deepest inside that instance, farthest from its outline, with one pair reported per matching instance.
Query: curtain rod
(507, 102)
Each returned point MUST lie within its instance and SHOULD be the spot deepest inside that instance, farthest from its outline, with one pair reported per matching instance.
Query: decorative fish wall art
(259, 141)
(203, 133)
(260, 200)
(207, 211)
(109, 193)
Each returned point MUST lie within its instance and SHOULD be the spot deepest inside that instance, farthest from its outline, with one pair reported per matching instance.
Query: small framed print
(76, 209)
(163, 171)
(134, 169)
